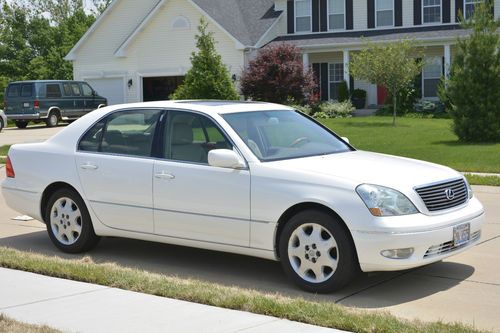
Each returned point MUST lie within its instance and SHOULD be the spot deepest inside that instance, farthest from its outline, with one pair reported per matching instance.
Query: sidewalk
(81, 307)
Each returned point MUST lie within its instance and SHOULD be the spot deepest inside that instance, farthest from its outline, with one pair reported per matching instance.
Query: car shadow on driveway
(372, 290)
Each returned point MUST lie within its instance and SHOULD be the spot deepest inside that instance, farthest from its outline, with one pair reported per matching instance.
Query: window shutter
(351, 83)
(349, 13)
(398, 13)
(459, 8)
(446, 11)
(315, 15)
(324, 82)
(323, 14)
(371, 14)
(290, 11)
(418, 82)
(417, 12)
(492, 4)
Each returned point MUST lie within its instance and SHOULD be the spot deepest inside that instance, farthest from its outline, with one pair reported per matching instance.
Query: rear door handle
(164, 175)
(89, 166)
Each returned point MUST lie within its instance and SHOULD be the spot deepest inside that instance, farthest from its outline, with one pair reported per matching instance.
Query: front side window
(124, 133)
(67, 89)
(336, 76)
(303, 16)
(75, 87)
(53, 90)
(469, 7)
(190, 136)
(385, 13)
(87, 91)
(336, 14)
(431, 11)
(280, 135)
(432, 72)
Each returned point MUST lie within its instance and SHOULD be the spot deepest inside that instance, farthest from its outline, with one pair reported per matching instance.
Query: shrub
(307, 109)
(343, 92)
(359, 93)
(277, 75)
(335, 110)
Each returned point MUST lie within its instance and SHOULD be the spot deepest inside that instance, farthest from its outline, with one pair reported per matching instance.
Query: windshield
(280, 135)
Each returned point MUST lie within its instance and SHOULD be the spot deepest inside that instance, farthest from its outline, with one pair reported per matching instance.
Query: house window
(469, 6)
(431, 76)
(336, 76)
(336, 14)
(303, 17)
(385, 13)
(432, 11)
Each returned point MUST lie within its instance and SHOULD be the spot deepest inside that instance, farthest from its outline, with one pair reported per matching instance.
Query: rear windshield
(20, 90)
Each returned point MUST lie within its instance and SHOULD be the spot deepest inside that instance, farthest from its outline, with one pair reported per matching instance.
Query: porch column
(305, 60)
(447, 61)
(346, 68)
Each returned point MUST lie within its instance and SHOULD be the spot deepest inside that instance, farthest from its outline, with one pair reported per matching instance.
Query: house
(140, 50)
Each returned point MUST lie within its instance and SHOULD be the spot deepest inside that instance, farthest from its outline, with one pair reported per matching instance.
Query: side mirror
(225, 158)
(346, 139)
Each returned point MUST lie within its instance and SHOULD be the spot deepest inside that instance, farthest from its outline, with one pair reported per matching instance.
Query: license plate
(461, 234)
(26, 105)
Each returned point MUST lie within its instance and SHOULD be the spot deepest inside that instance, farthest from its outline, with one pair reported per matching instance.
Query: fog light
(398, 253)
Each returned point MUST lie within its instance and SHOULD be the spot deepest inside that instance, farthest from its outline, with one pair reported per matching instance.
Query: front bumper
(431, 244)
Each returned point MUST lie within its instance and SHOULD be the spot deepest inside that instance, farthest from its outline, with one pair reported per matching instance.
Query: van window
(87, 91)
(53, 90)
(67, 89)
(76, 89)
(27, 90)
(14, 90)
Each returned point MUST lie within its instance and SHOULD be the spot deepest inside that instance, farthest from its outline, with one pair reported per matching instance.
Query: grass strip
(8, 325)
(4, 150)
(483, 180)
(297, 309)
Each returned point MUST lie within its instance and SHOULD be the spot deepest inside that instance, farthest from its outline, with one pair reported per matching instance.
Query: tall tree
(474, 85)
(208, 77)
(392, 66)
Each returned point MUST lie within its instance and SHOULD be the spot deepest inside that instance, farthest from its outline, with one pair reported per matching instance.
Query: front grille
(435, 197)
(450, 246)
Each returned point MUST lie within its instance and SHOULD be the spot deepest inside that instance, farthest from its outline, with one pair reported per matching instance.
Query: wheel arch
(297, 208)
(54, 109)
(51, 189)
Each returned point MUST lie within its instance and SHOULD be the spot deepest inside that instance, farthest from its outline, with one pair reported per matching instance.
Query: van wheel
(317, 253)
(53, 119)
(1, 125)
(21, 124)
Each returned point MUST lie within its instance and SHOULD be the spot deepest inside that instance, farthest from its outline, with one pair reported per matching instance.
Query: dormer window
(303, 17)
(431, 11)
(469, 7)
(384, 13)
(336, 14)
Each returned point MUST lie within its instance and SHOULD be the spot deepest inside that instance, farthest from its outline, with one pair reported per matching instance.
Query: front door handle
(164, 175)
(89, 166)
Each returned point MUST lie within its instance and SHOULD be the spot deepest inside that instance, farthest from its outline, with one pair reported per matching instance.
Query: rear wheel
(52, 119)
(21, 123)
(1, 125)
(68, 222)
(317, 253)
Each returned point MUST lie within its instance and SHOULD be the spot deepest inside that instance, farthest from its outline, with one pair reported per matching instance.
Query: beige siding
(330, 57)
(360, 14)
(279, 28)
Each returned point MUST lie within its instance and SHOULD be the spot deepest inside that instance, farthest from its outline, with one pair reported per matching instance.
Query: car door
(78, 100)
(115, 168)
(193, 200)
(89, 97)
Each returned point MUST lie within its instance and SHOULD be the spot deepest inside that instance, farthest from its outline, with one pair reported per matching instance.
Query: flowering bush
(335, 110)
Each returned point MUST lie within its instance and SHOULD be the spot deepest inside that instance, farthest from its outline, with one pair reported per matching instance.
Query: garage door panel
(111, 88)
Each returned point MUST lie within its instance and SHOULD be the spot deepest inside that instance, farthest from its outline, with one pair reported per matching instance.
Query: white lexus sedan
(251, 178)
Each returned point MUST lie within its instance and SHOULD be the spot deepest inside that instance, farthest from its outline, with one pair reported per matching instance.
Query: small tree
(474, 85)
(392, 66)
(208, 77)
(277, 75)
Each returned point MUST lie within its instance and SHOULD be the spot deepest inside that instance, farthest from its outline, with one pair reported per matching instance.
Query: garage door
(112, 89)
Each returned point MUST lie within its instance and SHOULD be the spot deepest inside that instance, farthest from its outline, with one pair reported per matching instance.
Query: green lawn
(425, 139)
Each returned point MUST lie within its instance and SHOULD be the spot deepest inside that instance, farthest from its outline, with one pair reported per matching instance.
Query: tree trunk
(395, 100)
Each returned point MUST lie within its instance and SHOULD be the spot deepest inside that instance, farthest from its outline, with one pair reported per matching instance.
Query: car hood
(373, 168)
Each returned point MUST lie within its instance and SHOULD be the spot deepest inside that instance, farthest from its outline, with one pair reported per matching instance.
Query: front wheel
(317, 253)
(1, 125)
(68, 222)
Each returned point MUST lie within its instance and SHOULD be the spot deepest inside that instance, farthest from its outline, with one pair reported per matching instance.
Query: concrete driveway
(464, 288)
(35, 133)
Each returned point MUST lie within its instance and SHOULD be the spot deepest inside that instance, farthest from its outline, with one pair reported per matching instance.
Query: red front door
(381, 95)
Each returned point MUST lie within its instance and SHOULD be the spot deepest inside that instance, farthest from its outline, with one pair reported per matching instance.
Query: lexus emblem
(450, 194)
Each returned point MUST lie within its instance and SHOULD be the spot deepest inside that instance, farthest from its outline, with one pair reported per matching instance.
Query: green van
(50, 101)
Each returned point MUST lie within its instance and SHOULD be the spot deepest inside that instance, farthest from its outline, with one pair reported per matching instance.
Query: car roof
(208, 106)
(43, 81)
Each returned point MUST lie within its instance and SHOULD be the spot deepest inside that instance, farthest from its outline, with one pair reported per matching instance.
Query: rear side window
(53, 90)
(14, 90)
(27, 90)
(67, 89)
(75, 87)
(124, 133)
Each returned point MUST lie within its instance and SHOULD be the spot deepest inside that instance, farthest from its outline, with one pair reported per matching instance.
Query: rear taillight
(9, 169)
(36, 104)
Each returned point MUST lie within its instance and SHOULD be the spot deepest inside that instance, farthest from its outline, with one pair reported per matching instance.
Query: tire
(1, 125)
(67, 212)
(21, 124)
(313, 241)
(52, 119)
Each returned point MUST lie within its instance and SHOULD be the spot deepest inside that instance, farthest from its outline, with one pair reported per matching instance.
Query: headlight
(384, 201)
(469, 189)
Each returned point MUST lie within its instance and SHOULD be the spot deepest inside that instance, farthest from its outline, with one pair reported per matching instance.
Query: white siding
(371, 91)
(407, 13)
(360, 14)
